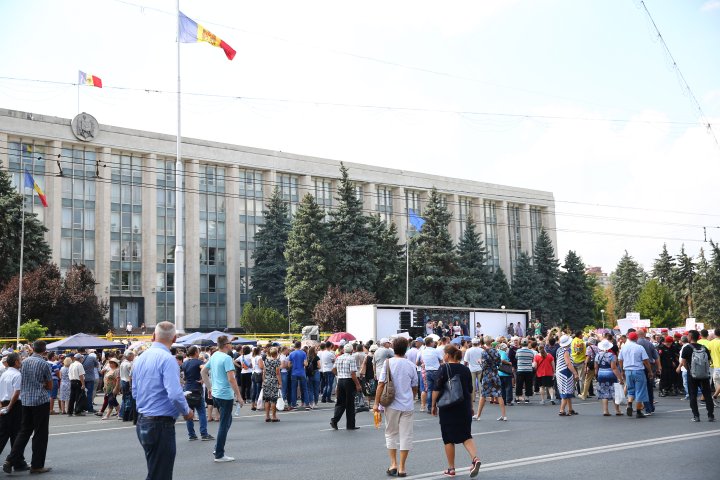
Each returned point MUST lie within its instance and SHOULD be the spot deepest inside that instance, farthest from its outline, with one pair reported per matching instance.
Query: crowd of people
(390, 377)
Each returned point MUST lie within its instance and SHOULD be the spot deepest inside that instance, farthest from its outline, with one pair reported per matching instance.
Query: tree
(82, 310)
(627, 282)
(684, 276)
(656, 302)
(664, 268)
(501, 290)
(262, 319)
(610, 315)
(576, 292)
(306, 253)
(270, 270)
(525, 284)
(32, 330)
(474, 276)
(389, 259)
(547, 268)
(352, 268)
(600, 302)
(707, 287)
(41, 299)
(36, 250)
(433, 261)
(330, 313)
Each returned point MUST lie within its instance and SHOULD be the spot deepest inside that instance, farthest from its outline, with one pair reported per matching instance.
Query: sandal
(573, 412)
(275, 420)
(267, 420)
(450, 472)
(475, 467)
(619, 414)
(402, 474)
(606, 415)
(563, 414)
(391, 472)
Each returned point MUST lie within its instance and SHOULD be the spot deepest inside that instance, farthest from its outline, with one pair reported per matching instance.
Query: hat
(632, 336)
(348, 348)
(502, 346)
(78, 356)
(419, 339)
(117, 362)
(475, 341)
(343, 342)
(565, 340)
(4, 359)
(384, 340)
(678, 335)
(668, 339)
(605, 345)
(373, 348)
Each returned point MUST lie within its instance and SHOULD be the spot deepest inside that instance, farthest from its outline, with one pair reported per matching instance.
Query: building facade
(111, 194)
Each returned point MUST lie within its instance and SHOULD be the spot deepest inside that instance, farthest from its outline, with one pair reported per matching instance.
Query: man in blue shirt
(634, 361)
(298, 360)
(159, 399)
(221, 372)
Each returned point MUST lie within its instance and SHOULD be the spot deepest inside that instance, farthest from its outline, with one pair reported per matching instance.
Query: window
(384, 203)
(491, 237)
(412, 202)
(536, 225)
(465, 212)
(514, 235)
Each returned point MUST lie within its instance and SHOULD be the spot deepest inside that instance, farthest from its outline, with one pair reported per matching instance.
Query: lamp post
(602, 314)
(503, 309)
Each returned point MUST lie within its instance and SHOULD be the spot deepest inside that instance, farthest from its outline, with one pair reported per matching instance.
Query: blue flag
(416, 221)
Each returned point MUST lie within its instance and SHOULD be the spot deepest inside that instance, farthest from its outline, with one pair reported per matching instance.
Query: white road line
(372, 425)
(89, 431)
(552, 457)
(474, 435)
(680, 410)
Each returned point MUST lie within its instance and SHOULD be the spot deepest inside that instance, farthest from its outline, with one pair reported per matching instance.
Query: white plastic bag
(260, 397)
(280, 403)
(237, 409)
(620, 398)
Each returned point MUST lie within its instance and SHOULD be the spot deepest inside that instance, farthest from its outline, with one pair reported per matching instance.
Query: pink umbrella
(336, 338)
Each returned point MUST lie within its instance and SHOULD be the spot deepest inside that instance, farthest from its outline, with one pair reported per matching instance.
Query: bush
(329, 313)
(32, 330)
(262, 319)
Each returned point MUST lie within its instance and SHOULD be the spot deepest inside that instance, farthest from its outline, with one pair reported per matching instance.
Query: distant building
(603, 279)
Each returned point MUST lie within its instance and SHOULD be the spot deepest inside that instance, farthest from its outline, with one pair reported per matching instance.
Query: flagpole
(78, 96)
(179, 206)
(22, 249)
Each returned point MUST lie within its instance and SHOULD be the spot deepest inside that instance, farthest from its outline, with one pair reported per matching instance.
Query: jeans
(421, 384)
(285, 385)
(202, 416)
(314, 387)
(430, 379)
(225, 407)
(36, 422)
(650, 404)
(294, 380)
(157, 437)
(256, 387)
(506, 389)
(125, 390)
(328, 386)
(90, 390)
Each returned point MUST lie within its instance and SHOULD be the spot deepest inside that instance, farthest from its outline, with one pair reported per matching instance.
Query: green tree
(502, 295)
(475, 278)
(330, 313)
(41, 299)
(270, 270)
(627, 282)
(684, 279)
(548, 272)
(525, 293)
(36, 251)
(664, 268)
(82, 310)
(352, 268)
(262, 319)
(433, 261)
(707, 286)
(600, 302)
(389, 259)
(306, 253)
(656, 303)
(32, 330)
(577, 293)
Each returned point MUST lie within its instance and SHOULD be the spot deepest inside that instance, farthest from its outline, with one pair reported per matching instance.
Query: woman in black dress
(456, 420)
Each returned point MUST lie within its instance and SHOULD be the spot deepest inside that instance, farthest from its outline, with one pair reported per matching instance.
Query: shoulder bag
(452, 393)
(388, 395)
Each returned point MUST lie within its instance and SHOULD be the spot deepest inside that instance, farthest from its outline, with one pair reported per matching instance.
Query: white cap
(384, 340)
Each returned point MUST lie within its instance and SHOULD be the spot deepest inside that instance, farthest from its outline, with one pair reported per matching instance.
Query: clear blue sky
(589, 61)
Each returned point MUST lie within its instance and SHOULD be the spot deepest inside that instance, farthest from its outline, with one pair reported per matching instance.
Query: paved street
(535, 444)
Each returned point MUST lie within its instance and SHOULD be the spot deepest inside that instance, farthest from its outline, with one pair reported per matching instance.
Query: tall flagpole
(407, 267)
(179, 204)
(21, 183)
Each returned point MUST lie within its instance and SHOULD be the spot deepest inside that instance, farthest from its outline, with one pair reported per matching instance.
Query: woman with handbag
(271, 384)
(244, 362)
(397, 387)
(608, 375)
(566, 375)
(256, 376)
(452, 399)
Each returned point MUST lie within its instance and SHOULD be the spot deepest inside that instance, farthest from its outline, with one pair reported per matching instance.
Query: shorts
(716, 376)
(545, 382)
(637, 385)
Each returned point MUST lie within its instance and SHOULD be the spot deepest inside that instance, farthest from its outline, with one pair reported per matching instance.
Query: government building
(111, 195)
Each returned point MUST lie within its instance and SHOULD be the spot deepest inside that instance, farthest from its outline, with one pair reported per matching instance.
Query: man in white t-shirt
(383, 353)
(473, 355)
(431, 358)
(327, 378)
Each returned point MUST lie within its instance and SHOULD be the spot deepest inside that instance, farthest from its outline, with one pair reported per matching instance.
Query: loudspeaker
(405, 320)
(416, 332)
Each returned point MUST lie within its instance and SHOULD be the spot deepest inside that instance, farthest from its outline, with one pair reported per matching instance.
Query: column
(548, 221)
(53, 215)
(102, 225)
(305, 186)
(370, 198)
(525, 237)
(4, 161)
(454, 208)
(192, 245)
(478, 214)
(271, 179)
(149, 237)
(400, 215)
(503, 237)
(232, 206)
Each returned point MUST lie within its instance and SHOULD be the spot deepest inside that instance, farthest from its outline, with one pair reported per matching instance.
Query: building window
(289, 189)
(464, 213)
(514, 233)
(212, 245)
(412, 202)
(536, 225)
(126, 222)
(31, 157)
(78, 207)
(385, 204)
(491, 235)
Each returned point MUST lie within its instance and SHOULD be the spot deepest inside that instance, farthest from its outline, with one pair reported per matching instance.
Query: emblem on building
(85, 127)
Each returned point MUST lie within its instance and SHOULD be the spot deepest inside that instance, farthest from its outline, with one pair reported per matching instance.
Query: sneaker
(193, 438)
(649, 414)
(711, 419)
(224, 459)
(542, 402)
(686, 397)
(527, 401)
(629, 411)
(7, 468)
(640, 414)
(502, 419)
(552, 402)
(694, 419)
(207, 438)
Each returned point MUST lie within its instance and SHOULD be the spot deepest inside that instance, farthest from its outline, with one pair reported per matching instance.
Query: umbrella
(82, 340)
(243, 341)
(213, 336)
(336, 338)
(203, 342)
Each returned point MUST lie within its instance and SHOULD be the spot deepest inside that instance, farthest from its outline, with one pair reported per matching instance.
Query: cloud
(710, 6)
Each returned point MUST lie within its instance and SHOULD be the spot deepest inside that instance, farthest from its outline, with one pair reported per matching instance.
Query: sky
(576, 97)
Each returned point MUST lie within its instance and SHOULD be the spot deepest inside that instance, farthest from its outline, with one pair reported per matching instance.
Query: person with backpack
(696, 359)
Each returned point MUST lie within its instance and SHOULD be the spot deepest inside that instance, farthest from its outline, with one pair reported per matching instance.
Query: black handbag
(81, 403)
(505, 368)
(452, 393)
(194, 400)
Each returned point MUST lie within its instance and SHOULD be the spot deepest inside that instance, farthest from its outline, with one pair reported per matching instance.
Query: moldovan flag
(191, 32)
(31, 183)
(92, 80)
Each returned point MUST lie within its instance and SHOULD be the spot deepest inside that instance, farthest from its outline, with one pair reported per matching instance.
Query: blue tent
(188, 339)
(244, 341)
(83, 340)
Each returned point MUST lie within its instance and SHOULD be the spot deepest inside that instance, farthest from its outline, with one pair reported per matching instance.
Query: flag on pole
(191, 32)
(416, 221)
(31, 183)
(92, 80)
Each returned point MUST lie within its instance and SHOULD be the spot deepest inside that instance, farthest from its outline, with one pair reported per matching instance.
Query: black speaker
(416, 332)
(405, 320)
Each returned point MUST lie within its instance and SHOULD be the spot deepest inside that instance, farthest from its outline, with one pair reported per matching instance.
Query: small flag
(191, 32)
(416, 221)
(92, 80)
(31, 183)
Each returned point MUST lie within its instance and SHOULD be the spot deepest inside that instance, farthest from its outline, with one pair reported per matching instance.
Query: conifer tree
(684, 276)
(657, 304)
(707, 286)
(388, 256)
(547, 269)
(306, 253)
(474, 275)
(270, 270)
(525, 284)
(627, 282)
(664, 268)
(502, 295)
(577, 293)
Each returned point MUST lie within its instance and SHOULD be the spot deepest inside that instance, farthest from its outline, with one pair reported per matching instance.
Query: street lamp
(602, 314)
(503, 309)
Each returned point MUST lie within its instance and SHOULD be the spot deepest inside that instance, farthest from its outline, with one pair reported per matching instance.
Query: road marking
(89, 431)
(372, 425)
(680, 410)
(474, 435)
(553, 457)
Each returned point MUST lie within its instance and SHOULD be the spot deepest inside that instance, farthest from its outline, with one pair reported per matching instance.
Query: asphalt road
(534, 444)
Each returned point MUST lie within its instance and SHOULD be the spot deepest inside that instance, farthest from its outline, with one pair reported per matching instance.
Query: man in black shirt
(669, 361)
(686, 360)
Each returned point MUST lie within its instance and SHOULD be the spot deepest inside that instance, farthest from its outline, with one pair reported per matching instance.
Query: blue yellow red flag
(191, 32)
